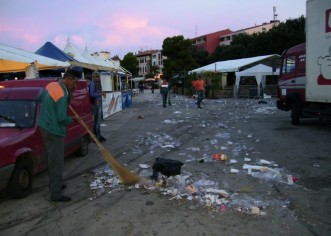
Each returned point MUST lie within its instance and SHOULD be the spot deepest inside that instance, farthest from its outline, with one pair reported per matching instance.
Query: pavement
(285, 190)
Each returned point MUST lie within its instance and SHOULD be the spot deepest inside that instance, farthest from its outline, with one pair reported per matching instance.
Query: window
(288, 65)
(18, 113)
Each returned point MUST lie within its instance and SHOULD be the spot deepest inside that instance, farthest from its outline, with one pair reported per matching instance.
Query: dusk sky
(124, 26)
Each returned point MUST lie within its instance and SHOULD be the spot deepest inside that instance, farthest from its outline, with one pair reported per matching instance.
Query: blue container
(128, 99)
(124, 96)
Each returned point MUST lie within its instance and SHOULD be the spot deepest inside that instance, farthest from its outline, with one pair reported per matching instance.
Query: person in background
(88, 80)
(164, 90)
(194, 91)
(200, 88)
(141, 87)
(52, 124)
(96, 95)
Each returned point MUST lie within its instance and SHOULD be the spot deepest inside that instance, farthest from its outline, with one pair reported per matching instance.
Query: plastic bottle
(220, 157)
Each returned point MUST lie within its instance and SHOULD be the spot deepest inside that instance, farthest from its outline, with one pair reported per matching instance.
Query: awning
(17, 60)
(137, 79)
(236, 65)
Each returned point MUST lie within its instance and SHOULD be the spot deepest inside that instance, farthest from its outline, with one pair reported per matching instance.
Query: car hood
(8, 134)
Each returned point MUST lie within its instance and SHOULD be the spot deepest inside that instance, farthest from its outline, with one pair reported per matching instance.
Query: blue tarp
(50, 50)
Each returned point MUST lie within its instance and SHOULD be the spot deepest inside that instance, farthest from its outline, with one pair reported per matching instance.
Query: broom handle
(126, 176)
(81, 121)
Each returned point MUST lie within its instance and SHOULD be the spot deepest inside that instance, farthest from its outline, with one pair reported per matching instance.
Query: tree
(179, 56)
(130, 62)
(201, 56)
(155, 69)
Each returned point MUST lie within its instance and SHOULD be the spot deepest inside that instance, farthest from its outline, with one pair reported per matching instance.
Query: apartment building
(148, 59)
(227, 38)
(209, 42)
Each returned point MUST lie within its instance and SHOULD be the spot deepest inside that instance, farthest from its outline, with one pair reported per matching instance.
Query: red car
(22, 151)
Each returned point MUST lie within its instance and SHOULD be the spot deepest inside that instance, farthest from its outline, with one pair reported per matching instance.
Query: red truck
(22, 151)
(305, 79)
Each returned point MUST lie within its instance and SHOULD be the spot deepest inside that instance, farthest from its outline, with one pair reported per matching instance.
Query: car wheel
(20, 184)
(83, 148)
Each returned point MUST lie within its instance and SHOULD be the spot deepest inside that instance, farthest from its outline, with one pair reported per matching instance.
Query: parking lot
(291, 196)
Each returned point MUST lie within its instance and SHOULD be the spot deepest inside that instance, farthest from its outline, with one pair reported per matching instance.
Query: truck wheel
(295, 114)
(20, 184)
(83, 149)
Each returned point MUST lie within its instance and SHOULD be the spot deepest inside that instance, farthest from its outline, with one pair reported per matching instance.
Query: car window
(289, 64)
(17, 113)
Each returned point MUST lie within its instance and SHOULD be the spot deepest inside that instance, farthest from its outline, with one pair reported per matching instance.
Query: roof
(258, 69)
(85, 59)
(15, 60)
(297, 48)
(233, 65)
(116, 58)
(51, 51)
(220, 33)
(146, 53)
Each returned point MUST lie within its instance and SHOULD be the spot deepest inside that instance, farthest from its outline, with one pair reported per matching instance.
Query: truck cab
(292, 81)
(305, 79)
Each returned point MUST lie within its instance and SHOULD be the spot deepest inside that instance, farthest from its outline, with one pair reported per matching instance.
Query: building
(149, 59)
(227, 38)
(209, 42)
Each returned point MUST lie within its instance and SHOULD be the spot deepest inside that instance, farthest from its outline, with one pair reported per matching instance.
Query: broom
(127, 177)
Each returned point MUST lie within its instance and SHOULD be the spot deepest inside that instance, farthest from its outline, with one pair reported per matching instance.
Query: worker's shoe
(102, 139)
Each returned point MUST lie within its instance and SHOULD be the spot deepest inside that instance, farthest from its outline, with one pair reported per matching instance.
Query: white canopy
(232, 65)
(137, 79)
(85, 59)
(17, 60)
(259, 72)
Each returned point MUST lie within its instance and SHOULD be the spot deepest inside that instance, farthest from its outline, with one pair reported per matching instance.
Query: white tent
(137, 79)
(233, 65)
(259, 71)
(18, 60)
(85, 59)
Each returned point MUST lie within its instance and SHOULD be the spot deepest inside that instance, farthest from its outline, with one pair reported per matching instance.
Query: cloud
(129, 30)
(31, 38)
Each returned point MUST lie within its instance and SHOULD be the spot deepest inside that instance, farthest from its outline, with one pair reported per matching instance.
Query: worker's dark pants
(200, 97)
(164, 98)
(55, 155)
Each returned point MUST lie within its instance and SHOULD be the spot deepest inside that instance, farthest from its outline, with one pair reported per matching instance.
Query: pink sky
(130, 25)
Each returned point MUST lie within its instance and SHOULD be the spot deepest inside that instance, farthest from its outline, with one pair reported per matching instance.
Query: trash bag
(167, 167)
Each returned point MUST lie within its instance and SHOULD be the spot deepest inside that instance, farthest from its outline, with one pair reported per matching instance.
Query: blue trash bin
(124, 96)
(128, 99)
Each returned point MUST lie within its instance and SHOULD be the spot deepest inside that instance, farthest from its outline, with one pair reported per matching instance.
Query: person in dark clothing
(52, 124)
(164, 90)
(96, 94)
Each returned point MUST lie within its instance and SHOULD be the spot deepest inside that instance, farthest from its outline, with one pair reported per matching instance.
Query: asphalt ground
(224, 203)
